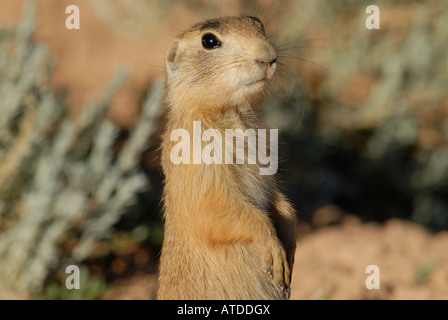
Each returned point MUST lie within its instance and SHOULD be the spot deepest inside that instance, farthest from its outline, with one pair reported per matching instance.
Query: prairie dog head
(220, 63)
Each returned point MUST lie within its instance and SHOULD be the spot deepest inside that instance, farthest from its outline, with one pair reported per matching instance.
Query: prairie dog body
(229, 231)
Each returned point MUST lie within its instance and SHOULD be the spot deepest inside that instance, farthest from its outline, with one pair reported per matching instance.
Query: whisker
(305, 47)
(290, 56)
(145, 63)
(300, 41)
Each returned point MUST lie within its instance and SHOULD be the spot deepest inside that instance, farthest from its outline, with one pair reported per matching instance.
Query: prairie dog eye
(210, 41)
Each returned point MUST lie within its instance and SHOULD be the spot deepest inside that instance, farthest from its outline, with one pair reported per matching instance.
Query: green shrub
(60, 180)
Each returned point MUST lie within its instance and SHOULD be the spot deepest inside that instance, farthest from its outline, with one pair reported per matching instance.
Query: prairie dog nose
(266, 63)
(266, 55)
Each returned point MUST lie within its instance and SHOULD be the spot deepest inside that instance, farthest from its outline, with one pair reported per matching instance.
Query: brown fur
(229, 231)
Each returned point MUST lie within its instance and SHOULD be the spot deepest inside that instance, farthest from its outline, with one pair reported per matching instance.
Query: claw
(288, 292)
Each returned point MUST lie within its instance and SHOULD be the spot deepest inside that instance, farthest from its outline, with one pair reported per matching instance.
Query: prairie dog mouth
(259, 84)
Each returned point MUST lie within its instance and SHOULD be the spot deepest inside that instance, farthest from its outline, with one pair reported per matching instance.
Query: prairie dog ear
(172, 57)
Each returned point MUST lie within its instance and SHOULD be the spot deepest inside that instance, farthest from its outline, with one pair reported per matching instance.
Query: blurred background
(363, 117)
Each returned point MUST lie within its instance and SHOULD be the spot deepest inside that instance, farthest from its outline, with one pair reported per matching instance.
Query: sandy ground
(331, 264)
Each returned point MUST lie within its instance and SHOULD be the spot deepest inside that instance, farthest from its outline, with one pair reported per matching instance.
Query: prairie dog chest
(218, 154)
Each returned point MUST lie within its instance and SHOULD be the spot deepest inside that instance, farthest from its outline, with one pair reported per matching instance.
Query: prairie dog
(229, 231)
